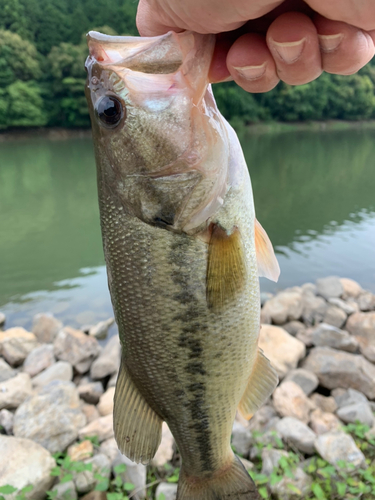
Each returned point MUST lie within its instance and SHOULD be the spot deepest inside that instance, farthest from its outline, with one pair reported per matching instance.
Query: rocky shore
(317, 432)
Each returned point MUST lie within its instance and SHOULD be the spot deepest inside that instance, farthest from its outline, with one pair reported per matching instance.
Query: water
(314, 194)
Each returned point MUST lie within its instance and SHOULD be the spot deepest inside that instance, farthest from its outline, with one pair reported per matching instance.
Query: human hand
(263, 41)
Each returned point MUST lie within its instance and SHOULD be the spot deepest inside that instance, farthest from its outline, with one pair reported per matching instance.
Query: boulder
(46, 327)
(91, 413)
(6, 371)
(329, 287)
(366, 301)
(87, 480)
(351, 288)
(65, 491)
(348, 397)
(81, 451)
(101, 427)
(52, 418)
(307, 380)
(242, 439)
(271, 459)
(290, 401)
(335, 316)
(283, 350)
(285, 306)
(14, 391)
(112, 381)
(108, 362)
(322, 422)
(337, 446)
(134, 473)
(24, 463)
(39, 359)
(166, 491)
(16, 344)
(293, 327)
(362, 326)
(309, 288)
(264, 419)
(77, 348)
(100, 330)
(297, 433)
(347, 307)
(166, 448)
(356, 412)
(6, 421)
(305, 336)
(313, 308)
(286, 488)
(326, 335)
(90, 391)
(341, 369)
(110, 449)
(62, 370)
(325, 403)
(105, 406)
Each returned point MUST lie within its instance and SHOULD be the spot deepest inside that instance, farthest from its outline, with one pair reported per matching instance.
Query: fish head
(160, 142)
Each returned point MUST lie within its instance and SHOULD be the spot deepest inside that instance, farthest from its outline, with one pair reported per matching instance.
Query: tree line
(42, 54)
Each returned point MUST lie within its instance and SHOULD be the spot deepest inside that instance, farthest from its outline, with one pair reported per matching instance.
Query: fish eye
(109, 110)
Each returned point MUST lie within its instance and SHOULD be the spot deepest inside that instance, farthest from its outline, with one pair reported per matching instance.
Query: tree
(19, 59)
(21, 105)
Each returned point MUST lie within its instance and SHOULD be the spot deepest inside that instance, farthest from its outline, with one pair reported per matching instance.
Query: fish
(184, 253)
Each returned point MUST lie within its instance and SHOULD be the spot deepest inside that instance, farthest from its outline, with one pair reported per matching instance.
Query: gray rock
(241, 439)
(271, 459)
(362, 325)
(15, 390)
(357, 411)
(110, 449)
(52, 418)
(77, 348)
(366, 301)
(297, 433)
(46, 327)
(313, 308)
(62, 370)
(307, 380)
(100, 330)
(309, 288)
(134, 473)
(285, 306)
(301, 481)
(293, 327)
(23, 463)
(264, 296)
(338, 446)
(348, 397)
(108, 362)
(166, 491)
(6, 371)
(345, 306)
(341, 369)
(90, 392)
(325, 403)
(330, 336)
(86, 480)
(65, 491)
(329, 287)
(305, 336)
(39, 359)
(264, 419)
(6, 421)
(2, 319)
(335, 316)
(16, 344)
(351, 288)
(105, 406)
(90, 412)
(322, 422)
(113, 380)
(101, 427)
(290, 401)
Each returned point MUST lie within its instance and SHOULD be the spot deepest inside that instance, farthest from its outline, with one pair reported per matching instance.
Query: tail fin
(232, 484)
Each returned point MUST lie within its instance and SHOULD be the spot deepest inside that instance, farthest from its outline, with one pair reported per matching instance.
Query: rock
(325, 403)
(101, 427)
(337, 446)
(62, 370)
(264, 296)
(305, 336)
(290, 401)
(110, 449)
(293, 327)
(297, 433)
(81, 451)
(95, 495)
(90, 392)
(52, 418)
(313, 308)
(285, 306)
(309, 288)
(351, 288)
(77, 348)
(329, 287)
(86, 480)
(108, 362)
(15, 390)
(90, 412)
(348, 308)
(366, 301)
(287, 488)
(166, 491)
(6, 421)
(166, 448)
(283, 350)
(241, 439)
(46, 327)
(2, 319)
(65, 491)
(105, 406)
(341, 369)
(264, 419)
(6, 372)
(38, 360)
(16, 344)
(308, 381)
(112, 381)
(247, 464)
(134, 473)
(357, 411)
(335, 316)
(348, 397)
(330, 336)
(322, 422)
(100, 330)
(23, 463)
(362, 325)
(271, 459)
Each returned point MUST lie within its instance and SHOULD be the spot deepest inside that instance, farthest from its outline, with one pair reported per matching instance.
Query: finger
(251, 64)
(344, 48)
(360, 13)
(293, 41)
(218, 69)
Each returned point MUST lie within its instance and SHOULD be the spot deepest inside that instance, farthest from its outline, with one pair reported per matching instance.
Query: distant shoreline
(55, 133)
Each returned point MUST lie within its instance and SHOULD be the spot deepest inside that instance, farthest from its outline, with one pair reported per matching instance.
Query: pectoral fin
(137, 427)
(268, 267)
(261, 384)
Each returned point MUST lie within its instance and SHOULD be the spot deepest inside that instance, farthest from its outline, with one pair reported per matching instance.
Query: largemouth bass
(183, 252)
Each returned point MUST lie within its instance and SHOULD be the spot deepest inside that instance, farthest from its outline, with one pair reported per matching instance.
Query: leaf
(173, 479)
(161, 496)
(55, 471)
(318, 492)
(294, 488)
(66, 478)
(119, 469)
(7, 489)
(102, 486)
(129, 486)
(263, 492)
(51, 495)
(114, 496)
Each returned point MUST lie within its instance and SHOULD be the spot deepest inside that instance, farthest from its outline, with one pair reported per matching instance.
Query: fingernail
(329, 43)
(228, 79)
(289, 52)
(251, 72)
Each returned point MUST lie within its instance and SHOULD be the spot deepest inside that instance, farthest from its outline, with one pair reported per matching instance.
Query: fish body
(183, 252)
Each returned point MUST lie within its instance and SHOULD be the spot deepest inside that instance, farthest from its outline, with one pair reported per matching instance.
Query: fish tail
(233, 483)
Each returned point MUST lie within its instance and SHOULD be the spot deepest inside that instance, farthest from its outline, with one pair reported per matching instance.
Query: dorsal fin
(268, 267)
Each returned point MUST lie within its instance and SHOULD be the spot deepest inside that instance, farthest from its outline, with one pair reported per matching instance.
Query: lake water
(314, 194)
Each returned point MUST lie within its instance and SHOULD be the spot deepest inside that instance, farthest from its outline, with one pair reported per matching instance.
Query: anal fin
(261, 384)
(137, 427)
